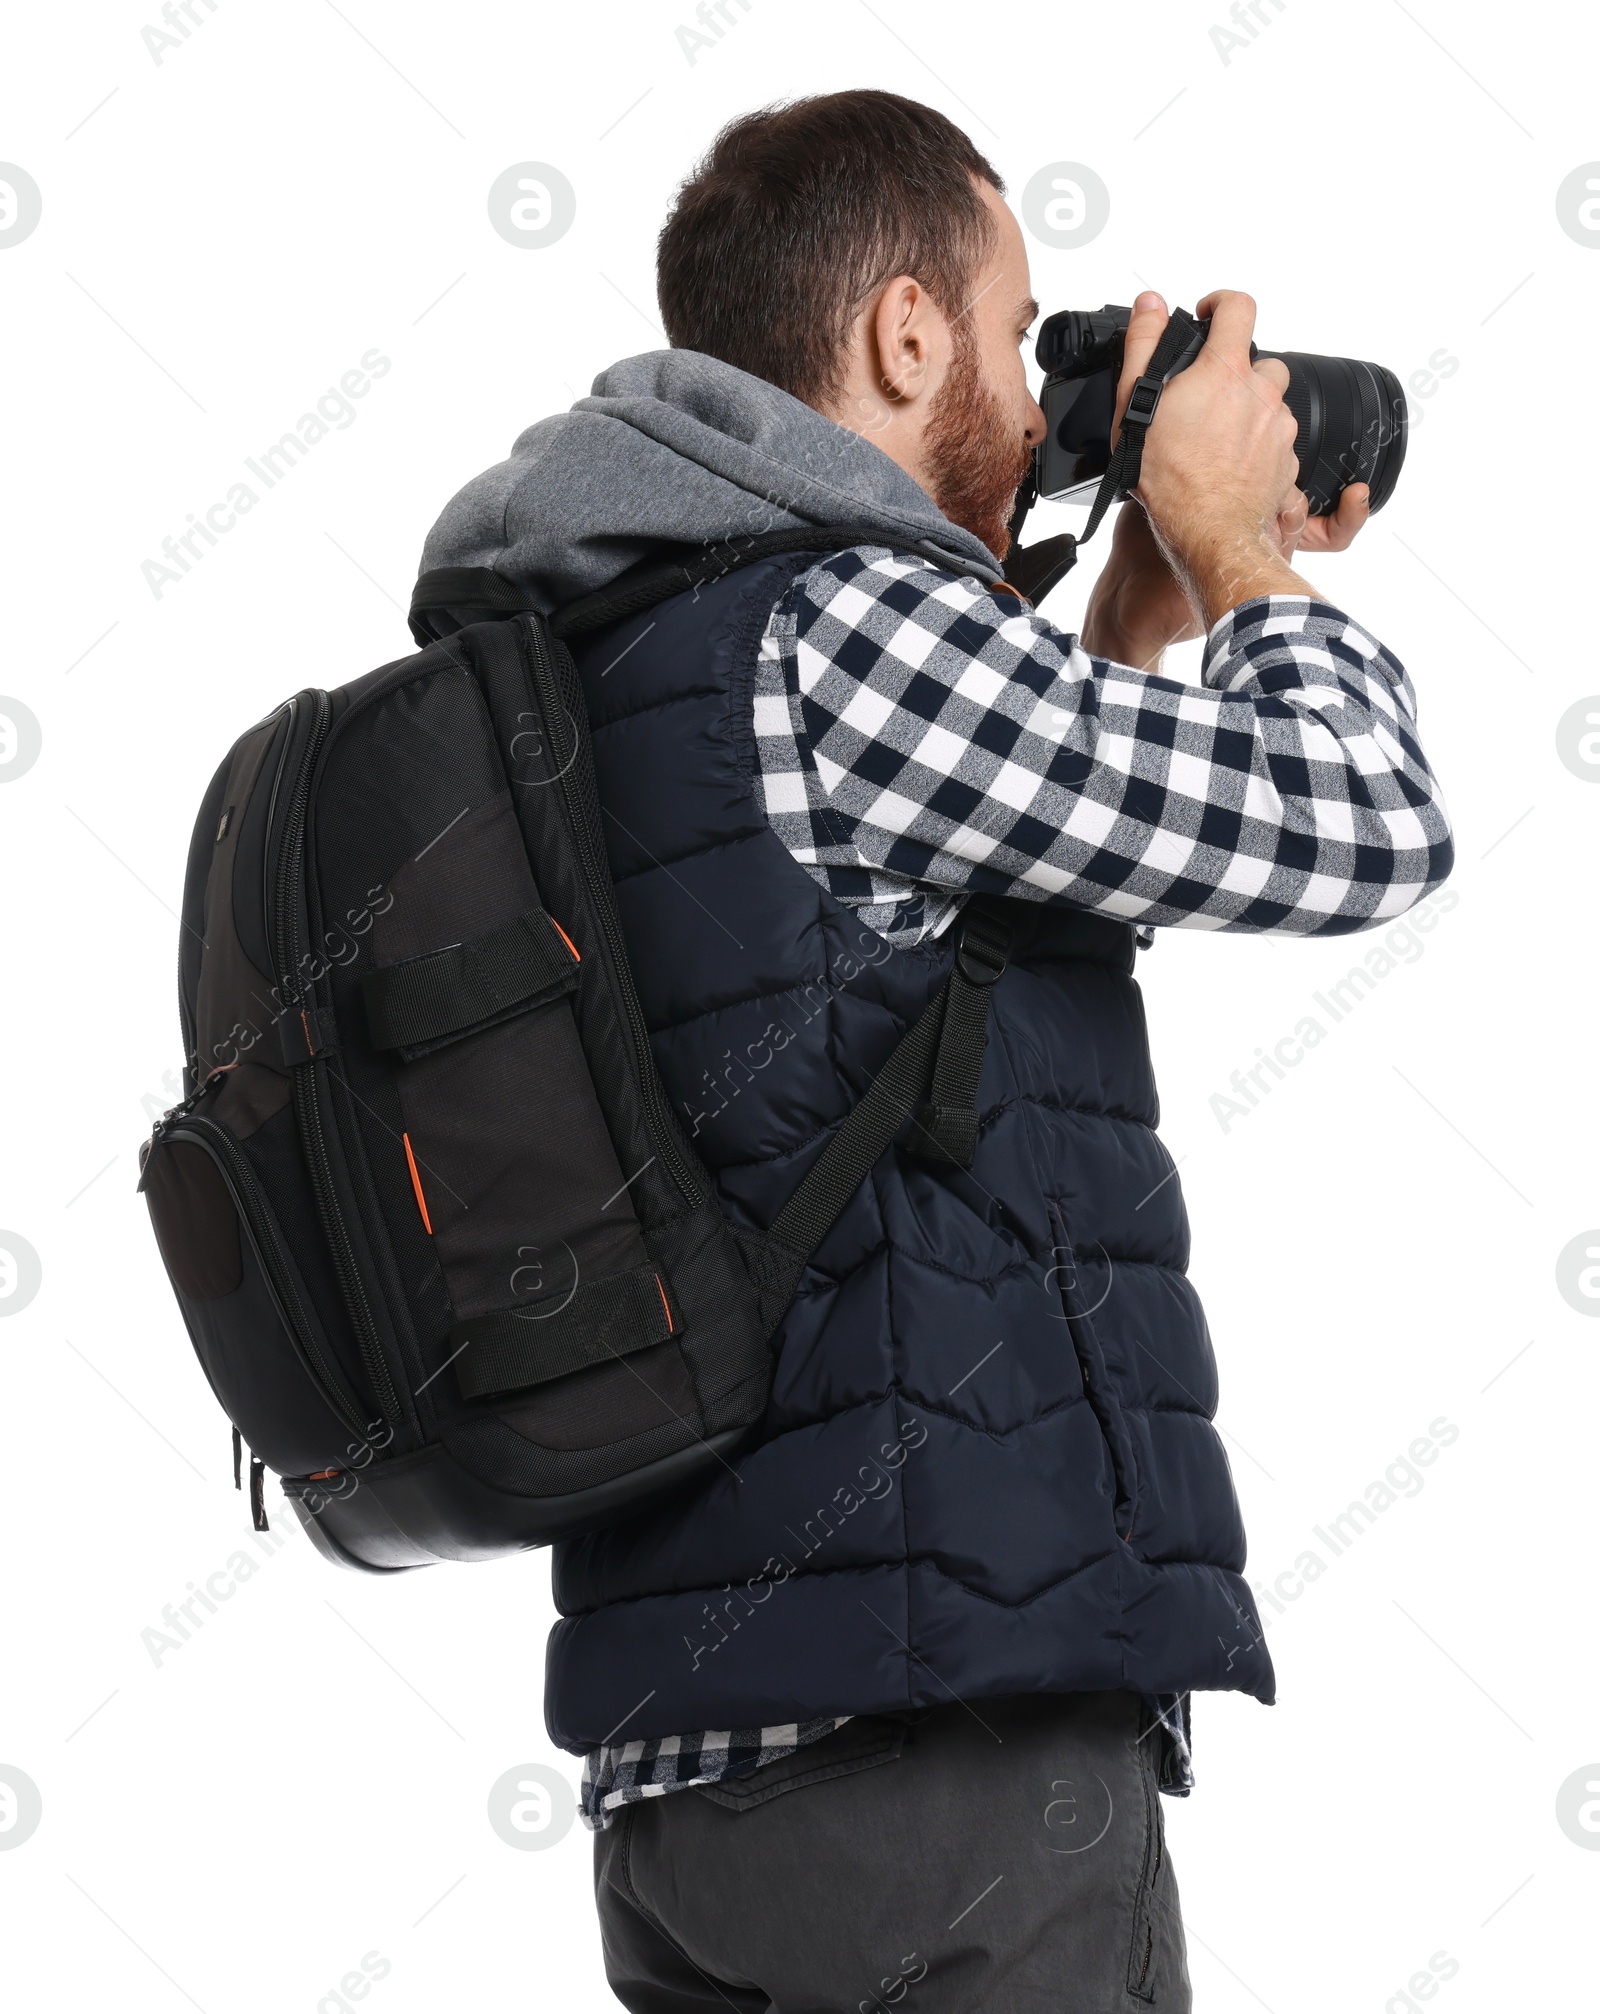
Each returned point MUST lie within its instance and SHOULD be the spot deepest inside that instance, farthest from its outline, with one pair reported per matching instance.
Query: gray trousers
(1007, 1855)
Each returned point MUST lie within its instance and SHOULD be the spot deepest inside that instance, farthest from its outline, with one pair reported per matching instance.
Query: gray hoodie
(676, 446)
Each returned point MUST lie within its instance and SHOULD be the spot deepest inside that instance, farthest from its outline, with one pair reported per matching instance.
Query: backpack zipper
(290, 708)
(263, 1230)
(306, 1078)
(561, 701)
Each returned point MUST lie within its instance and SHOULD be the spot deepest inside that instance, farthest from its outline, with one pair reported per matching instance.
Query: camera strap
(1181, 337)
(1033, 570)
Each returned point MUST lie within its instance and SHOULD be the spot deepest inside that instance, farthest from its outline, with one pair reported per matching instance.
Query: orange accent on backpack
(416, 1183)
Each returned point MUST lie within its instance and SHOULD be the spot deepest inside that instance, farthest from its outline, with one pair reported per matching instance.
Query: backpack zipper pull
(258, 1494)
(238, 1451)
(181, 1110)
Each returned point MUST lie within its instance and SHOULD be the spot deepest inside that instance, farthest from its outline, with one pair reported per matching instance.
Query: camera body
(1351, 415)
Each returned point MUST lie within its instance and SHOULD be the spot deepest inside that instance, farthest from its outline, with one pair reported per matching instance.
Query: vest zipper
(253, 1206)
(1099, 1388)
(561, 701)
(307, 1079)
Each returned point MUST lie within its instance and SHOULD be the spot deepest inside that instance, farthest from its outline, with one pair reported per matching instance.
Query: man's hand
(1137, 605)
(1218, 485)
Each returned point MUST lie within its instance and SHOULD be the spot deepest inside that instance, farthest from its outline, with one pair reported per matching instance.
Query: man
(879, 1714)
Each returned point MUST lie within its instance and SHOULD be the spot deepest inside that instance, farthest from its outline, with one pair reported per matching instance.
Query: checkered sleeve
(922, 737)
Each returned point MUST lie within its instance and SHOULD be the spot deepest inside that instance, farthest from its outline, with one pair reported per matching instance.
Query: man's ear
(909, 339)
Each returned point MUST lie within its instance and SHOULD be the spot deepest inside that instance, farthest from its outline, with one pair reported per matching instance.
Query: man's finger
(1335, 532)
(1272, 372)
(1355, 507)
(1145, 323)
(1233, 321)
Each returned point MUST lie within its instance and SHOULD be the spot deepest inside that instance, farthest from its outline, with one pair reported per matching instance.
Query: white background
(224, 233)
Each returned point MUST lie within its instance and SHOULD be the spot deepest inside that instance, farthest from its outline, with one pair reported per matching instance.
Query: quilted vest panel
(988, 1465)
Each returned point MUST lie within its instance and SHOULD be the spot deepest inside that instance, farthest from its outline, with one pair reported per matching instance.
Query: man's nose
(1034, 432)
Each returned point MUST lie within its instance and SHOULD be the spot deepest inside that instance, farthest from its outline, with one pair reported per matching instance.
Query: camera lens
(1352, 426)
(1351, 416)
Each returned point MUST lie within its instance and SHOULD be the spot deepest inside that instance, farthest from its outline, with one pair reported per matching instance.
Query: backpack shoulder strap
(931, 1077)
(642, 587)
(478, 593)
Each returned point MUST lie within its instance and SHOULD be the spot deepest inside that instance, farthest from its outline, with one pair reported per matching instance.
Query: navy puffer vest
(988, 1465)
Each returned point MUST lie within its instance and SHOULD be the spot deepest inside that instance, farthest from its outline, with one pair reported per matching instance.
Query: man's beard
(976, 459)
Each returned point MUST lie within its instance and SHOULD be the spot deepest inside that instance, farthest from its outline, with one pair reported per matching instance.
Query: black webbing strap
(933, 1071)
(851, 1154)
(1182, 335)
(518, 1347)
(777, 1257)
(946, 1128)
(1034, 569)
(423, 1001)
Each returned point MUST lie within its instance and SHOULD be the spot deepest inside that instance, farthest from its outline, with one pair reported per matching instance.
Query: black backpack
(443, 1250)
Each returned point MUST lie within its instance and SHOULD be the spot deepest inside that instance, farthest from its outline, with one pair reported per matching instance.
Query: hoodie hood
(676, 447)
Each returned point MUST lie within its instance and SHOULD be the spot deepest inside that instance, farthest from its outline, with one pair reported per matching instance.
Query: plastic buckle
(982, 953)
(1143, 400)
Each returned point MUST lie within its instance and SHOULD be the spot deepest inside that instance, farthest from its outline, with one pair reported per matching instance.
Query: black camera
(1351, 415)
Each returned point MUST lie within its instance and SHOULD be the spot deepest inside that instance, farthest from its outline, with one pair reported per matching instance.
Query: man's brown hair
(799, 212)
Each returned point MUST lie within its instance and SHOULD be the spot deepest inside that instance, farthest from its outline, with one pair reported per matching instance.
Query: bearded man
(879, 1714)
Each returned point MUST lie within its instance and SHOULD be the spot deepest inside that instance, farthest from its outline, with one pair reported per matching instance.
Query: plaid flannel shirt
(922, 738)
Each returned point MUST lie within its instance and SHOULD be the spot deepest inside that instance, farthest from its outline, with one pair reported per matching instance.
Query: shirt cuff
(1271, 630)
